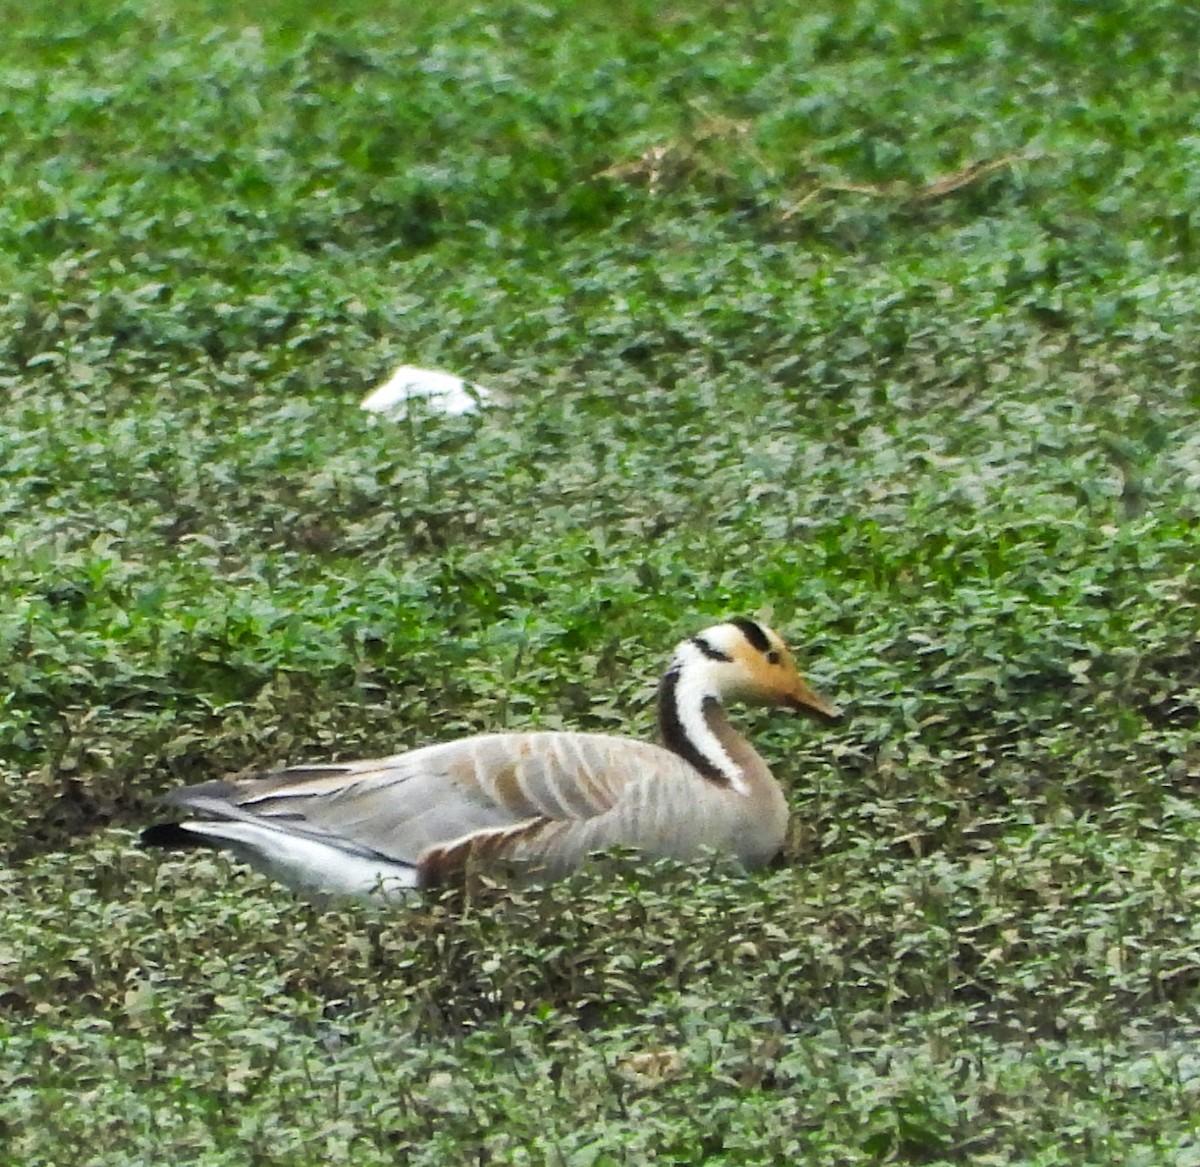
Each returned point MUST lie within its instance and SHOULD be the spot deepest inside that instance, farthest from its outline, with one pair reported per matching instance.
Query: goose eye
(772, 657)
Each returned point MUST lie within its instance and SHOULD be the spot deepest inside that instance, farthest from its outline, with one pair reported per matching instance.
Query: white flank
(443, 391)
(307, 865)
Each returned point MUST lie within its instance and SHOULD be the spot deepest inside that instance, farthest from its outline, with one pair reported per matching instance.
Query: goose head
(743, 660)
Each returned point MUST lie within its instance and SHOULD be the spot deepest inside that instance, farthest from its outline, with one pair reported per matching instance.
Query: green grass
(880, 318)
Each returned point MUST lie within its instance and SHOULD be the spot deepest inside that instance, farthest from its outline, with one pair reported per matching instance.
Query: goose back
(545, 799)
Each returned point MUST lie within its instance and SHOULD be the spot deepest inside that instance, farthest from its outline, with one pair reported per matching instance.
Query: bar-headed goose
(541, 800)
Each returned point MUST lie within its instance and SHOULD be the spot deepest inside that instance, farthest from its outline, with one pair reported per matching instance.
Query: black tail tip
(170, 837)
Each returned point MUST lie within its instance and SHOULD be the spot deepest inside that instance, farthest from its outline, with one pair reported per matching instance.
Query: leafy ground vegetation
(880, 318)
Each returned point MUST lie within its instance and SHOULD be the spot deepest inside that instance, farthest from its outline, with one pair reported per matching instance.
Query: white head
(743, 660)
(739, 660)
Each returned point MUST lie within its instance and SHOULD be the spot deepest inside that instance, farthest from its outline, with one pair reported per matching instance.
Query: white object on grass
(442, 391)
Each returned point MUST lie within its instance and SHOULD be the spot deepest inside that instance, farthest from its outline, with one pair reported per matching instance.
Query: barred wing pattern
(547, 799)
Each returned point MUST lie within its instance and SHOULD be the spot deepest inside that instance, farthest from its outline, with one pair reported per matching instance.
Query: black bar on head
(709, 650)
(753, 632)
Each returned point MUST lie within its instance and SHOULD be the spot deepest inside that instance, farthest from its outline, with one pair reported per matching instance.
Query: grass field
(879, 319)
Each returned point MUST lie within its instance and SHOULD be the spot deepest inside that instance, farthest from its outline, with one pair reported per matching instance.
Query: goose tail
(313, 866)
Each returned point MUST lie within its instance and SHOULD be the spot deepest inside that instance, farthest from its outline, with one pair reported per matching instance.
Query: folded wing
(545, 798)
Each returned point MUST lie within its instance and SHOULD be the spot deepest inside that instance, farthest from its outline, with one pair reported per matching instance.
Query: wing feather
(523, 792)
(662, 815)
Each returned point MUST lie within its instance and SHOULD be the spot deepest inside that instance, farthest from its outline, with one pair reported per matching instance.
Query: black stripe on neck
(710, 651)
(753, 632)
(674, 735)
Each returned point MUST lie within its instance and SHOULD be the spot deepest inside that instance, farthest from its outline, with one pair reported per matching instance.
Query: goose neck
(693, 724)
